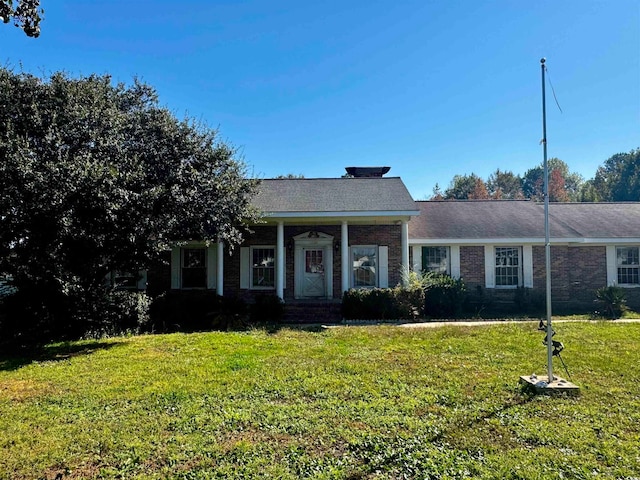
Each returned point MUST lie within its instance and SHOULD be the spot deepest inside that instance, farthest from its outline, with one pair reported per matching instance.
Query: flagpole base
(540, 385)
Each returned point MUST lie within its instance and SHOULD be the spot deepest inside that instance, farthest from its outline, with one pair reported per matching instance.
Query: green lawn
(349, 403)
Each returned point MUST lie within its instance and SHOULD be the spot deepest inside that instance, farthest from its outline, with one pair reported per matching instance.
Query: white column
(346, 258)
(405, 245)
(280, 261)
(220, 269)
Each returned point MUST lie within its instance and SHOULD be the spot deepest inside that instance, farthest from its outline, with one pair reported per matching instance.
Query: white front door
(313, 277)
(313, 259)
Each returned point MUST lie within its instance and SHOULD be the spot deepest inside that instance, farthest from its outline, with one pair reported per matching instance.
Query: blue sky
(430, 88)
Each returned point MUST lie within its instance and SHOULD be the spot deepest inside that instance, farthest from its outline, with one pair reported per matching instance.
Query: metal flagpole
(547, 242)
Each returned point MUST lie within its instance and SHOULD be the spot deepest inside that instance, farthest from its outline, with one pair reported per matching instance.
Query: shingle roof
(316, 195)
(523, 219)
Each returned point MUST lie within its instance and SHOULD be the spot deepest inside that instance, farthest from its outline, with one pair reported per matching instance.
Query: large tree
(464, 187)
(617, 180)
(505, 185)
(97, 177)
(26, 14)
(563, 184)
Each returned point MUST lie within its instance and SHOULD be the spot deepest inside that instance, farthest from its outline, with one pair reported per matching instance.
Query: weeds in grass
(345, 403)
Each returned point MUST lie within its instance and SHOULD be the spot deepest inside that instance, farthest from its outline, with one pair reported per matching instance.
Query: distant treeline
(617, 180)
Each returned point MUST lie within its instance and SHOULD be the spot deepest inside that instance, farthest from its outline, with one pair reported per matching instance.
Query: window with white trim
(365, 264)
(122, 280)
(436, 259)
(628, 265)
(193, 268)
(508, 266)
(263, 271)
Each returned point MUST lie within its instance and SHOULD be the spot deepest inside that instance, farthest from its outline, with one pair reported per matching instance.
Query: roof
(523, 219)
(380, 196)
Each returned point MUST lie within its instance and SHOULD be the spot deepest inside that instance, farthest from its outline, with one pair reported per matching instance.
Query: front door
(313, 281)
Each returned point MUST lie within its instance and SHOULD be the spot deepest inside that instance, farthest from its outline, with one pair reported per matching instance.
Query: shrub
(25, 320)
(196, 310)
(118, 312)
(267, 308)
(444, 295)
(382, 303)
(611, 301)
(526, 300)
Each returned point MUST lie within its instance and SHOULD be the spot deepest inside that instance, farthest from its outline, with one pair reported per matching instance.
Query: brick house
(318, 238)
(497, 246)
(321, 237)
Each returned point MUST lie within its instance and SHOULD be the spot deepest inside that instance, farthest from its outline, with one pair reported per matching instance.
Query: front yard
(344, 403)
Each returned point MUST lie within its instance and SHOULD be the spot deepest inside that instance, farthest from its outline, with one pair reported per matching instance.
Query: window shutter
(527, 266)
(175, 267)
(212, 256)
(245, 267)
(489, 267)
(417, 258)
(455, 261)
(142, 280)
(383, 266)
(612, 265)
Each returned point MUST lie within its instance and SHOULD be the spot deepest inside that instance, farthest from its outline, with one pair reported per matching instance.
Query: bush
(382, 303)
(118, 312)
(611, 302)
(26, 320)
(267, 308)
(196, 310)
(444, 296)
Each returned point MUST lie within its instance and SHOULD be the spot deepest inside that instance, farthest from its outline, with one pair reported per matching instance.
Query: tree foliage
(564, 185)
(505, 185)
(465, 187)
(26, 15)
(97, 177)
(617, 180)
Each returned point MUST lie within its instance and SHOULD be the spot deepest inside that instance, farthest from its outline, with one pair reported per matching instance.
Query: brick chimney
(367, 172)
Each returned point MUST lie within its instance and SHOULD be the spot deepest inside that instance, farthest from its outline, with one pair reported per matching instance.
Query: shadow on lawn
(19, 358)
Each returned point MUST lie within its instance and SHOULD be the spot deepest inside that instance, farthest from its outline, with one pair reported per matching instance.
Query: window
(628, 264)
(125, 280)
(435, 259)
(508, 266)
(263, 267)
(364, 266)
(194, 268)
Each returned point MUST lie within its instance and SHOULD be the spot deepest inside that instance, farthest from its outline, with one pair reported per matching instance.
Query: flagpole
(547, 242)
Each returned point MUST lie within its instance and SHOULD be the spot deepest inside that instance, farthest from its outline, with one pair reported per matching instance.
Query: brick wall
(472, 266)
(576, 272)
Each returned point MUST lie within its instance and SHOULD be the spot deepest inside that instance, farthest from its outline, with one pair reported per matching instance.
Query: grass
(345, 403)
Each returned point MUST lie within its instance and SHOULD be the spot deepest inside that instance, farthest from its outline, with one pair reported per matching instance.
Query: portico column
(280, 261)
(405, 244)
(220, 269)
(346, 260)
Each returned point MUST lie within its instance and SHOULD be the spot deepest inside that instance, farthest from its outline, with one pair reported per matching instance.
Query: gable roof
(524, 219)
(297, 197)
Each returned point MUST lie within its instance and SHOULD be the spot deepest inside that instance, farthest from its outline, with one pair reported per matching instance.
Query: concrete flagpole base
(540, 385)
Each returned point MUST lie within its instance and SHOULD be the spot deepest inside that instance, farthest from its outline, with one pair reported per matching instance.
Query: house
(497, 246)
(320, 237)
